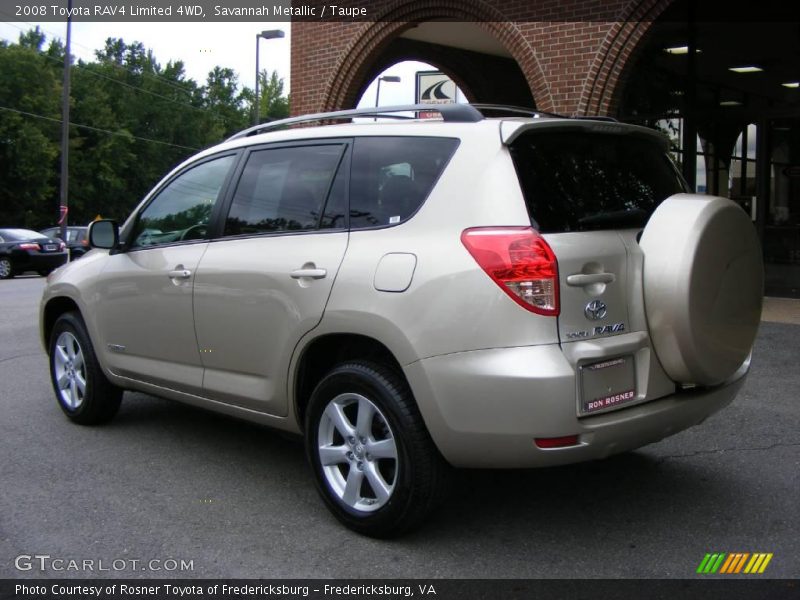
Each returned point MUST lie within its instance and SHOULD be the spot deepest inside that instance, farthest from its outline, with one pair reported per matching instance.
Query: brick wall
(571, 53)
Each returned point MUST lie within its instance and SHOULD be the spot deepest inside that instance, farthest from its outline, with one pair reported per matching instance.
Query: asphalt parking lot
(169, 482)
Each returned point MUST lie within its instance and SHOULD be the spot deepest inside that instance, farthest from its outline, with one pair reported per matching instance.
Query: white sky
(202, 46)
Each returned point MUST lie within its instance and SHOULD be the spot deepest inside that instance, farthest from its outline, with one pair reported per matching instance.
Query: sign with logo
(792, 171)
(434, 87)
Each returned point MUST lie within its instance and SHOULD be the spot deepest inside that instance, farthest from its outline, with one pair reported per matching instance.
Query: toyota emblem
(595, 310)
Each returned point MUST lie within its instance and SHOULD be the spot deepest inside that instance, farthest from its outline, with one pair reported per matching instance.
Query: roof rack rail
(454, 113)
(515, 110)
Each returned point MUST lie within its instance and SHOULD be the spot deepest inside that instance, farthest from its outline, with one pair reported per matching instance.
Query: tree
(133, 121)
(273, 104)
(29, 132)
(222, 97)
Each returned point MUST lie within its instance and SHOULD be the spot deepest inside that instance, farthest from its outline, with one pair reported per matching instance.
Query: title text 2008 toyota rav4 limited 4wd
(515, 291)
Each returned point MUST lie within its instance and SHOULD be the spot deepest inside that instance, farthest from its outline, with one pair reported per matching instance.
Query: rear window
(579, 181)
(392, 176)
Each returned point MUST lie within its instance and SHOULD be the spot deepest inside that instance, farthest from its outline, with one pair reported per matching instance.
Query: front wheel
(374, 462)
(83, 392)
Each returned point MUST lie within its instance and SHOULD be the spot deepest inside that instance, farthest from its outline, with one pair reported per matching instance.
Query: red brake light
(28, 246)
(62, 246)
(557, 442)
(520, 261)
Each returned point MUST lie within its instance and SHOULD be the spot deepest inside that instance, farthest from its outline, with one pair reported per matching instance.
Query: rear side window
(285, 189)
(392, 176)
(580, 181)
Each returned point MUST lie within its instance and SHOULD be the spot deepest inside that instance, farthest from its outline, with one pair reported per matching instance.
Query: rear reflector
(557, 442)
(520, 261)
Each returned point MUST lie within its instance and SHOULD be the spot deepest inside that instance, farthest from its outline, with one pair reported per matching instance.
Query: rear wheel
(374, 462)
(82, 390)
(5, 269)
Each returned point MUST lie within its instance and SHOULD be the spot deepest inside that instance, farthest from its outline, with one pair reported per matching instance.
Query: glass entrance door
(782, 220)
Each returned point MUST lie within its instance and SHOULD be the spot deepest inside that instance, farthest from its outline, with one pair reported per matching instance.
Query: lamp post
(268, 34)
(64, 191)
(387, 79)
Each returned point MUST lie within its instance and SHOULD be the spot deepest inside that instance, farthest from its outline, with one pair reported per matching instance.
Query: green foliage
(273, 104)
(28, 146)
(133, 120)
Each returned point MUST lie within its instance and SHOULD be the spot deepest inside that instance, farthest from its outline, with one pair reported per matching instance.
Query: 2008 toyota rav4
(410, 295)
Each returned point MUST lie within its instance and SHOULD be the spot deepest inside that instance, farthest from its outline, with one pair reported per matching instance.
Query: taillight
(28, 246)
(62, 246)
(520, 261)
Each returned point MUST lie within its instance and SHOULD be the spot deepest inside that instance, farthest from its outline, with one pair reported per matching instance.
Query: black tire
(6, 270)
(100, 399)
(419, 475)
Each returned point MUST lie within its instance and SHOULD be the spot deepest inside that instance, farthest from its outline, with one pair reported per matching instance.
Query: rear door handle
(584, 279)
(180, 274)
(310, 273)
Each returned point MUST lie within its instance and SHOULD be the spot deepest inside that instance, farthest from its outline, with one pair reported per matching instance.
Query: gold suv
(515, 291)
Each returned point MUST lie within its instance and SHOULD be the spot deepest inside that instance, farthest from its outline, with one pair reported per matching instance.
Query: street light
(387, 79)
(268, 34)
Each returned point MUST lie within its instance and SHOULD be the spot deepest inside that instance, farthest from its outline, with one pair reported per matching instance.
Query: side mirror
(104, 234)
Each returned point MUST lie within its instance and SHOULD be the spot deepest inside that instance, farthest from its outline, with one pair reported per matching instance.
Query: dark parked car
(77, 241)
(25, 250)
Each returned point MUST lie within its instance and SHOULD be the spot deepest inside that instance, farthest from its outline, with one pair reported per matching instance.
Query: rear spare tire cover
(703, 286)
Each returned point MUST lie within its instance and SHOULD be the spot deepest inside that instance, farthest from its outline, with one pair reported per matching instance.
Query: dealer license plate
(607, 384)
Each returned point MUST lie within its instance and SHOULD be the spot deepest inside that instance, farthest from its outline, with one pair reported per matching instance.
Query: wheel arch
(326, 351)
(52, 310)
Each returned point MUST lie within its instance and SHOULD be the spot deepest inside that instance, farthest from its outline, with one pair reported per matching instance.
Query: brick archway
(621, 45)
(349, 76)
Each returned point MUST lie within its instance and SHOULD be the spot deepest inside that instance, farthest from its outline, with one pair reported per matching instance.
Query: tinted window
(284, 189)
(336, 207)
(73, 235)
(392, 176)
(182, 210)
(579, 181)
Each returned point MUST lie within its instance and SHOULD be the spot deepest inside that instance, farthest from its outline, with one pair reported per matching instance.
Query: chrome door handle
(180, 274)
(310, 273)
(583, 279)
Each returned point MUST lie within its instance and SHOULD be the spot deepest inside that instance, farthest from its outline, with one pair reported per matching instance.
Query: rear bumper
(484, 409)
(24, 261)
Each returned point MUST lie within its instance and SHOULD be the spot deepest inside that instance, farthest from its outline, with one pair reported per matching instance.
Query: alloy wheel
(357, 452)
(5, 268)
(70, 371)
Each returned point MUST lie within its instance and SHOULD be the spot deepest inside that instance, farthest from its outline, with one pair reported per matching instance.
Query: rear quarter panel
(451, 305)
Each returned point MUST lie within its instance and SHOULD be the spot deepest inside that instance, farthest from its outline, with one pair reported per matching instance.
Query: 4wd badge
(599, 330)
